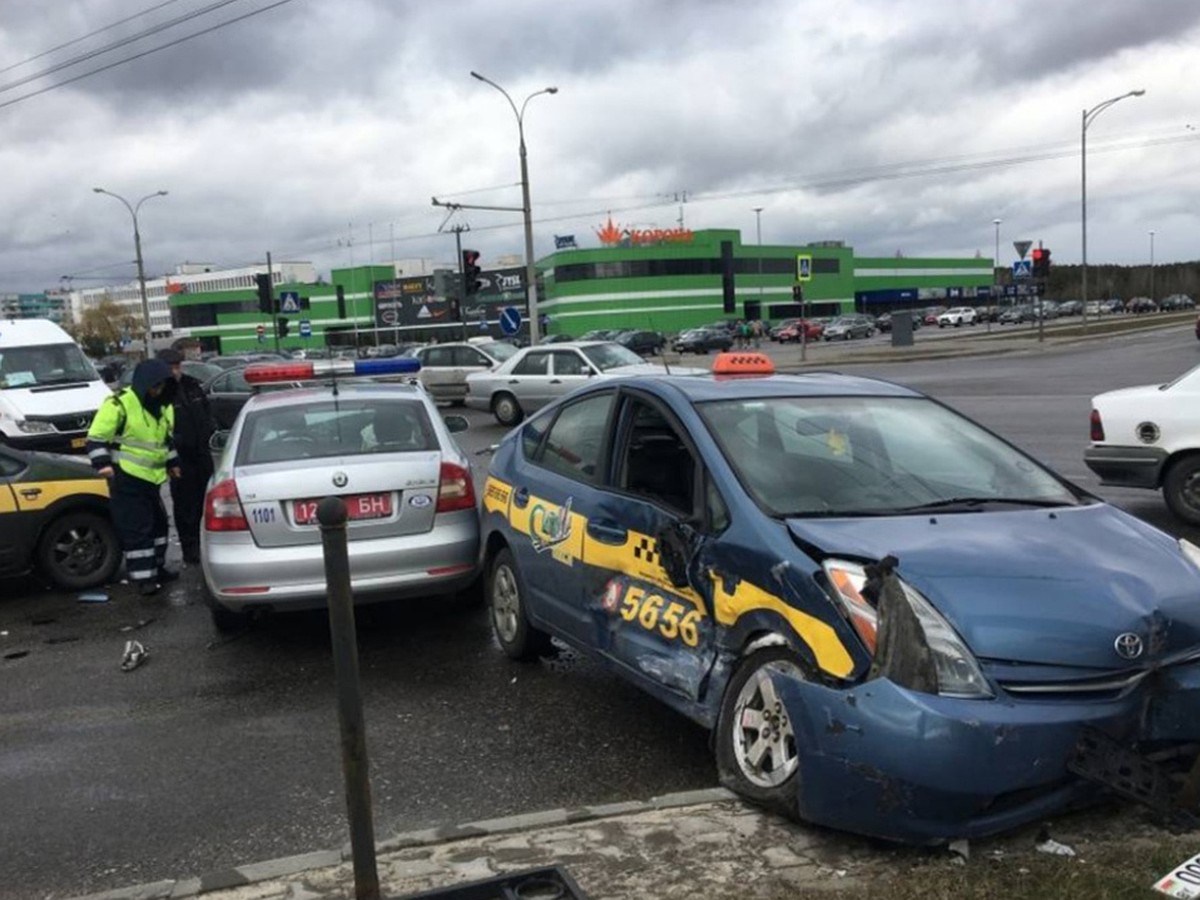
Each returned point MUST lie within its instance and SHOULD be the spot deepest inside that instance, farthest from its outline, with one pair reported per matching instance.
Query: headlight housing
(958, 673)
(35, 427)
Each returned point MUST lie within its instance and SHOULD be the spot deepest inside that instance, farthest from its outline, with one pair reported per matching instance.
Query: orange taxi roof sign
(734, 363)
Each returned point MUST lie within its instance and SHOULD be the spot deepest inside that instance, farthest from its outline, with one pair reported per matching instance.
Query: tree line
(1122, 282)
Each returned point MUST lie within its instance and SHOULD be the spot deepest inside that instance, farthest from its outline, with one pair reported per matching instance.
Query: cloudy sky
(319, 129)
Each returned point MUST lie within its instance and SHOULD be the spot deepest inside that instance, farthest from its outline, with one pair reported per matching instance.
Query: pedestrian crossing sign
(289, 302)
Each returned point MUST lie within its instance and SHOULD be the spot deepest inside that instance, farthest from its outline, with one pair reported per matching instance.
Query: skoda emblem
(1128, 645)
(339, 479)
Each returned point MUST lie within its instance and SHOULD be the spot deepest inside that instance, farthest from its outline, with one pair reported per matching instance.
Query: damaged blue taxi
(893, 621)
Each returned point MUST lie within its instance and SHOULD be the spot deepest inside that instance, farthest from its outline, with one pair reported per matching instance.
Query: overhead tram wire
(116, 45)
(84, 37)
(128, 59)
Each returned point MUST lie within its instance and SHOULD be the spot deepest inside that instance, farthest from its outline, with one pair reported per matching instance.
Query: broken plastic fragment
(93, 597)
(961, 848)
(135, 655)
(1054, 848)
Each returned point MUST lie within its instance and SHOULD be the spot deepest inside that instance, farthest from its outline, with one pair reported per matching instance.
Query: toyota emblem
(340, 479)
(1128, 645)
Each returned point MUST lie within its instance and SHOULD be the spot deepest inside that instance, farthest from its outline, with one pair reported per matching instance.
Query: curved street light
(1089, 116)
(137, 245)
(530, 269)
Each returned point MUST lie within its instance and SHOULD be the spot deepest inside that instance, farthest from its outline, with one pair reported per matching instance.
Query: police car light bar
(308, 370)
(743, 364)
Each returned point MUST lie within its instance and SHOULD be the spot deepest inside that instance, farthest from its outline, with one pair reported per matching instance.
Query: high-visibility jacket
(125, 434)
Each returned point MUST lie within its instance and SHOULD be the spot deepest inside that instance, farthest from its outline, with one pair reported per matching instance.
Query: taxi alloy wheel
(1181, 488)
(79, 550)
(505, 595)
(756, 741)
(507, 410)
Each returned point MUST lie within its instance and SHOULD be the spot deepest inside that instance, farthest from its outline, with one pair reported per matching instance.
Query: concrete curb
(289, 866)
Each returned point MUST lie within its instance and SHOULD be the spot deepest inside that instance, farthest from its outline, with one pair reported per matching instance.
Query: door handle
(31, 493)
(607, 532)
(521, 497)
(514, 381)
(556, 381)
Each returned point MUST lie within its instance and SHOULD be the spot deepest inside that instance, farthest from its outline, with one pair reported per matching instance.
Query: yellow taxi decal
(828, 649)
(665, 616)
(550, 527)
(496, 496)
(637, 558)
(36, 495)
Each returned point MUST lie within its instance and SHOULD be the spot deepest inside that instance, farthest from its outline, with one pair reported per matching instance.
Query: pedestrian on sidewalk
(130, 444)
(194, 426)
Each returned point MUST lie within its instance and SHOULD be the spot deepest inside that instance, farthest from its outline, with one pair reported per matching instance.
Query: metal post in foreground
(331, 513)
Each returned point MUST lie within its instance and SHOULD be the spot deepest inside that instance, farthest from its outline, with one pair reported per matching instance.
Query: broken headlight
(923, 653)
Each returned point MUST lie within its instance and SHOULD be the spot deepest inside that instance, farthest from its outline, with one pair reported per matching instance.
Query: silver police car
(413, 525)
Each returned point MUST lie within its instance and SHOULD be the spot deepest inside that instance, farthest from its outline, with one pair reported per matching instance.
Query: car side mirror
(456, 423)
(219, 441)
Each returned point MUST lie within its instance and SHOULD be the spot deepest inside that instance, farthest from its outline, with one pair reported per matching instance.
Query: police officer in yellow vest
(130, 444)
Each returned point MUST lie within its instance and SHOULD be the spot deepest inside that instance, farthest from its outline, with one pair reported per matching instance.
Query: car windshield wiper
(976, 504)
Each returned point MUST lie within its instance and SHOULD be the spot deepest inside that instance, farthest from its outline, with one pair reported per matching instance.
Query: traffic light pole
(274, 303)
(462, 283)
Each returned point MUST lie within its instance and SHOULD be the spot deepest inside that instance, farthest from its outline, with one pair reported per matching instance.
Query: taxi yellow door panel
(15, 533)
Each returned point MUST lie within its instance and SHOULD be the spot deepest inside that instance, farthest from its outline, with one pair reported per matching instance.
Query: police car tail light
(308, 370)
(455, 490)
(1097, 426)
(223, 508)
(743, 364)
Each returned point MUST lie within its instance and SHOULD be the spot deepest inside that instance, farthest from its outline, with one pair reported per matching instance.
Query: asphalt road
(223, 751)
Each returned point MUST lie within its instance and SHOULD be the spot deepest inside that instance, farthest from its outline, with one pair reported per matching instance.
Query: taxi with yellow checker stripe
(54, 519)
(893, 621)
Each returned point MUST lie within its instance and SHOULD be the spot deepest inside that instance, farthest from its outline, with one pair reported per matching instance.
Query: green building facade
(662, 281)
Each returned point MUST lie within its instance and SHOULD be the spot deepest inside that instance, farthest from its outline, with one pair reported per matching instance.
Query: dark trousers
(141, 520)
(187, 499)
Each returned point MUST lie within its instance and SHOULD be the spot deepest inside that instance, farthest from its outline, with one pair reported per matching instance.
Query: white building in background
(187, 278)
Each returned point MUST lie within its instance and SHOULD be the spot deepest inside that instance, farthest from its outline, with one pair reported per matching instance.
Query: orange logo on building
(614, 235)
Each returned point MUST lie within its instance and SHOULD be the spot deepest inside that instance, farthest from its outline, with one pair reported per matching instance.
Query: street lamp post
(1151, 266)
(137, 246)
(758, 238)
(530, 268)
(995, 273)
(1089, 116)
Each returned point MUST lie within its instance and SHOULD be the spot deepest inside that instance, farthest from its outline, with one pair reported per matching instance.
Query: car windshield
(44, 364)
(499, 350)
(611, 356)
(335, 428)
(833, 456)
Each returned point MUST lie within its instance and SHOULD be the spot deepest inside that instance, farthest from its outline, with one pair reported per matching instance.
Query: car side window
(238, 383)
(221, 385)
(441, 357)
(568, 363)
(655, 462)
(531, 434)
(470, 358)
(533, 364)
(10, 466)
(575, 444)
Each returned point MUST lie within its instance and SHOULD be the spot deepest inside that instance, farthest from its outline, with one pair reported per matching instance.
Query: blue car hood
(1053, 587)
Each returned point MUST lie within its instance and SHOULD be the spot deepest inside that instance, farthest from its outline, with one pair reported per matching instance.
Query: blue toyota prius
(895, 622)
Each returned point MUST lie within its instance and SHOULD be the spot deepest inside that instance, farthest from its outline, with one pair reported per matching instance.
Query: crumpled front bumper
(880, 760)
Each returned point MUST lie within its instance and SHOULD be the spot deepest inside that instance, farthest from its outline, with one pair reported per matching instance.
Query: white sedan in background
(959, 315)
(1149, 437)
(535, 376)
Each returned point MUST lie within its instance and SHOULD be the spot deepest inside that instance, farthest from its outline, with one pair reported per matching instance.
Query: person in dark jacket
(194, 426)
(130, 443)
